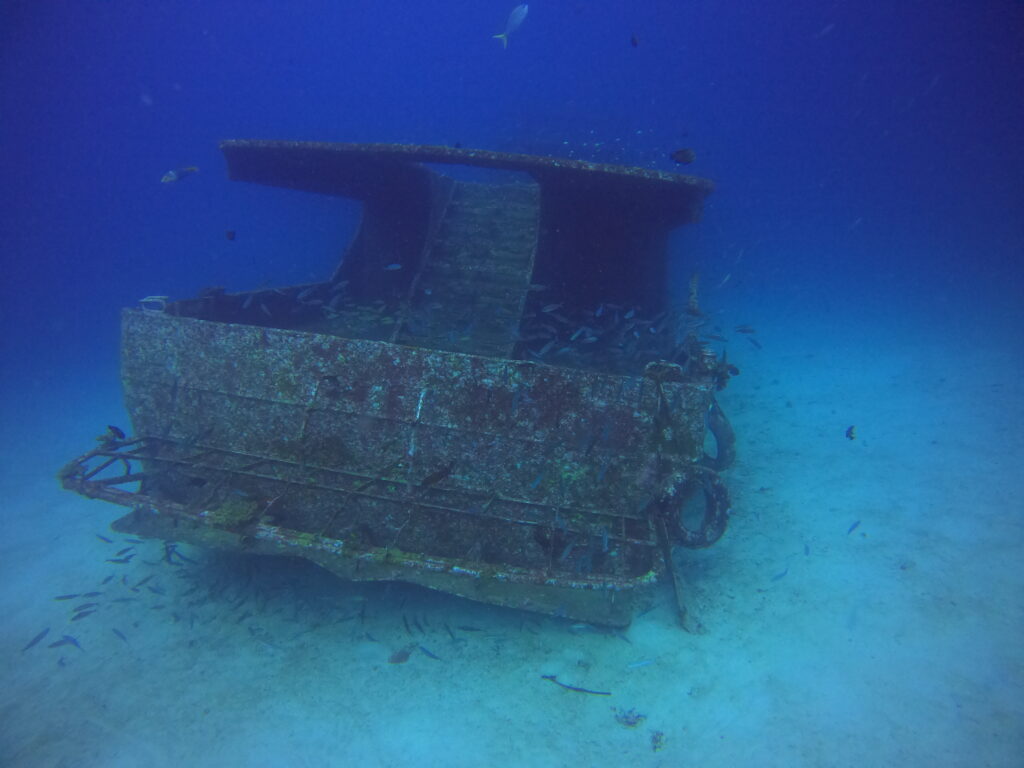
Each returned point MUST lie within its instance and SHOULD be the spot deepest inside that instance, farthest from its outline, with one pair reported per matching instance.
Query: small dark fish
(807, 549)
(401, 655)
(67, 597)
(157, 590)
(116, 431)
(84, 606)
(119, 633)
(428, 653)
(123, 599)
(468, 628)
(684, 156)
(82, 615)
(134, 541)
(66, 640)
(147, 578)
(182, 557)
(108, 579)
(35, 639)
(393, 268)
(550, 307)
(852, 528)
(406, 622)
(437, 475)
(92, 594)
(450, 633)
(567, 551)
(755, 342)
(780, 575)
(851, 432)
(124, 551)
(715, 337)
(545, 349)
(745, 329)
(229, 234)
(243, 617)
(120, 560)
(634, 41)
(416, 623)
(104, 538)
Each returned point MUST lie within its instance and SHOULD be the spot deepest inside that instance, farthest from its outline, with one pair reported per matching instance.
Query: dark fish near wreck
(684, 156)
(437, 475)
(66, 640)
(429, 653)
(35, 639)
(401, 655)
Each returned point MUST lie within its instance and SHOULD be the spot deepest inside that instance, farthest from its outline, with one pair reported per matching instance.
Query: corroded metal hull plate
(503, 481)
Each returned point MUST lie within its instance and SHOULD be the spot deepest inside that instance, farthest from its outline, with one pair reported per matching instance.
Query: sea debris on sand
(567, 687)
(628, 717)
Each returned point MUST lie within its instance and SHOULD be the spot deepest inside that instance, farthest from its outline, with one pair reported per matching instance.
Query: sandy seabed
(893, 642)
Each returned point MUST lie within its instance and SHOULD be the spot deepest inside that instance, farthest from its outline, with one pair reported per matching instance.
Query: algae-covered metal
(460, 426)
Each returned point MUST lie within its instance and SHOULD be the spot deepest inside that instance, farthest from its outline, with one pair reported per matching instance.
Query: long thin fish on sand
(428, 653)
(66, 640)
(35, 639)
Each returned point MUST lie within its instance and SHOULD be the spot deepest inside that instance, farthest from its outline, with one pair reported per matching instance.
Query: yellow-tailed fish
(515, 20)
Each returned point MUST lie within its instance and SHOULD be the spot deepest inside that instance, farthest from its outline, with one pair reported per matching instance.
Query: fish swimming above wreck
(516, 416)
(179, 173)
(515, 20)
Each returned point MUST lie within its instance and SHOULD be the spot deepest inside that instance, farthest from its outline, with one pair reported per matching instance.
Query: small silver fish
(515, 20)
(178, 174)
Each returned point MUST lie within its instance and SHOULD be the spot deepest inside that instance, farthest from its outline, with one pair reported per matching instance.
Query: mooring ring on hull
(716, 510)
(725, 440)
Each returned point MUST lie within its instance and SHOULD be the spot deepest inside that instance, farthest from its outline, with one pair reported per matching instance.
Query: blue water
(866, 220)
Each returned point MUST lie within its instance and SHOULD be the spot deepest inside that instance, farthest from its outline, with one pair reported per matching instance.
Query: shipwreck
(493, 395)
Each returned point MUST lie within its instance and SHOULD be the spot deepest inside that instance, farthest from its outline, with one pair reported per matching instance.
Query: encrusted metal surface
(498, 465)
(267, 162)
(492, 394)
